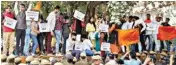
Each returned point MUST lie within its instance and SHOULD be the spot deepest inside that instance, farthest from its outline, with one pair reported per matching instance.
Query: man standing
(8, 33)
(166, 42)
(57, 31)
(20, 29)
(51, 24)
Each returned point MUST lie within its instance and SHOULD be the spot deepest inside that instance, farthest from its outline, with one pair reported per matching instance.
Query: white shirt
(111, 62)
(87, 44)
(130, 24)
(152, 28)
(51, 20)
(125, 26)
(79, 46)
(69, 45)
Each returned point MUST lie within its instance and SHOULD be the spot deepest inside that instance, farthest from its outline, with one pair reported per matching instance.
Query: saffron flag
(128, 37)
(166, 33)
(38, 6)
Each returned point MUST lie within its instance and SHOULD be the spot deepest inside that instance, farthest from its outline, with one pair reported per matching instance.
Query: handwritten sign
(79, 15)
(105, 46)
(43, 27)
(103, 28)
(9, 22)
(32, 14)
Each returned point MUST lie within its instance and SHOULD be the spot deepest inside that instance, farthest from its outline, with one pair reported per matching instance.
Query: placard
(103, 28)
(105, 46)
(9, 22)
(32, 14)
(43, 27)
(79, 15)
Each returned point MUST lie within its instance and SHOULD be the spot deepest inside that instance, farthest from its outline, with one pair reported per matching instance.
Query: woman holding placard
(34, 33)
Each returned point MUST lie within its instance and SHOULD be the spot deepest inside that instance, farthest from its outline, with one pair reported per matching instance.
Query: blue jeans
(35, 43)
(76, 53)
(64, 45)
(58, 39)
(27, 41)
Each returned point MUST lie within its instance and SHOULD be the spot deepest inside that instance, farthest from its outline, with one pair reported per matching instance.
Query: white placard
(9, 22)
(103, 28)
(43, 27)
(105, 46)
(32, 14)
(79, 15)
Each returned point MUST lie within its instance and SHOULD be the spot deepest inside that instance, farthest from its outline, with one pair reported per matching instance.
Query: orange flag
(166, 33)
(38, 6)
(128, 37)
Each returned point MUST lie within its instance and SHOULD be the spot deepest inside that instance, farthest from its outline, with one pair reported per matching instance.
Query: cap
(18, 59)
(29, 58)
(152, 52)
(10, 57)
(35, 62)
(58, 63)
(74, 59)
(22, 64)
(163, 53)
(3, 57)
(59, 55)
(83, 54)
(96, 57)
(44, 61)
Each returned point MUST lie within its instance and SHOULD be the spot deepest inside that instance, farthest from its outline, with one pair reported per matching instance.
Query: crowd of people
(78, 42)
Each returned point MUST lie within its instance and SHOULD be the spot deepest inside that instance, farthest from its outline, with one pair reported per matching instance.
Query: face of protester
(148, 16)
(56, 10)
(22, 8)
(102, 35)
(157, 19)
(91, 20)
(8, 9)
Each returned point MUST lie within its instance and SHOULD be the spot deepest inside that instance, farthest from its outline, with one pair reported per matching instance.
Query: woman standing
(90, 28)
(41, 36)
(34, 33)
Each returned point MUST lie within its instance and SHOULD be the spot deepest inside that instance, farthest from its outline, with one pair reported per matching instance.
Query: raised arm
(16, 8)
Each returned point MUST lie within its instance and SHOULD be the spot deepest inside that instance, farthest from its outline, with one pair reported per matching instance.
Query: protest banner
(103, 28)
(43, 27)
(9, 22)
(79, 15)
(105, 46)
(32, 14)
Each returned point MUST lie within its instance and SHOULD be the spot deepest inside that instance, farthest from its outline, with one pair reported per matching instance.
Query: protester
(66, 31)
(91, 28)
(8, 33)
(57, 30)
(20, 29)
(34, 33)
(41, 36)
(51, 24)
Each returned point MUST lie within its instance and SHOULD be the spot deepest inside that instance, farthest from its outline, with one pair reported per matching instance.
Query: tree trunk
(91, 7)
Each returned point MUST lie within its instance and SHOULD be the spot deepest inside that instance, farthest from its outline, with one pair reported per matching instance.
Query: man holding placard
(20, 29)
(8, 33)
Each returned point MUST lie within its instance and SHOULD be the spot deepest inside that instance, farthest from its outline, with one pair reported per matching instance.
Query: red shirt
(147, 21)
(10, 15)
(60, 20)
